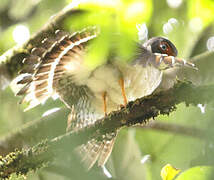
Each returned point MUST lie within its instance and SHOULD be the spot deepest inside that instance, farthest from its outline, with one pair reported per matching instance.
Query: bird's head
(161, 45)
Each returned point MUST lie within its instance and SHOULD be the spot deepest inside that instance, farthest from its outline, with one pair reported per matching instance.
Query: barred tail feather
(95, 151)
(89, 152)
(106, 151)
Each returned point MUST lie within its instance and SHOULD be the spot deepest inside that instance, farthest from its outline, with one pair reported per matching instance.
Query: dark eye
(163, 47)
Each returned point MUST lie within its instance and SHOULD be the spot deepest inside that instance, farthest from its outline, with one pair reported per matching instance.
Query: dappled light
(142, 32)
(196, 24)
(21, 34)
(174, 3)
(170, 25)
(210, 44)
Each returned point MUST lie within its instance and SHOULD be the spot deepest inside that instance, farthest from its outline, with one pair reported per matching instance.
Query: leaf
(168, 172)
(198, 173)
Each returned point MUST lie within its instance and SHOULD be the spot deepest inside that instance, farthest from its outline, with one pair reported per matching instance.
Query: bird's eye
(163, 47)
(166, 47)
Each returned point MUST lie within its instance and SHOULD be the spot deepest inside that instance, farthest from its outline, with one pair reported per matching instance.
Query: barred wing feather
(48, 64)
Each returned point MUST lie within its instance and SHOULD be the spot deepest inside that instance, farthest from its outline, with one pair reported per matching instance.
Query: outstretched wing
(48, 64)
(48, 72)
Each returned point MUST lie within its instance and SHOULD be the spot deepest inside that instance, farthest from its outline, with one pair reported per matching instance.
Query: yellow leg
(104, 103)
(121, 82)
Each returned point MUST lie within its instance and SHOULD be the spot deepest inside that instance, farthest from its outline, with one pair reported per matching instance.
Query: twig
(174, 129)
(204, 75)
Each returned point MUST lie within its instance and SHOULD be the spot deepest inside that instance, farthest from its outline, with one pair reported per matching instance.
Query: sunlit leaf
(168, 172)
(117, 21)
(198, 173)
(99, 50)
(134, 11)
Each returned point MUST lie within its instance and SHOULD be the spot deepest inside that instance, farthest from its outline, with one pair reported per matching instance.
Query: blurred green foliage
(194, 27)
(197, 173)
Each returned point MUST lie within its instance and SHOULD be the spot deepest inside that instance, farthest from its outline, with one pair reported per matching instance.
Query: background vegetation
(139, 153)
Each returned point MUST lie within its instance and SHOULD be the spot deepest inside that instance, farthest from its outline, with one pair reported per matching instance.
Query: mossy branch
(137, 112)
(21, 162)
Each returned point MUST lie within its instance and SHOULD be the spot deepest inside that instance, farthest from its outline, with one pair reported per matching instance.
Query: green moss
(23, 161)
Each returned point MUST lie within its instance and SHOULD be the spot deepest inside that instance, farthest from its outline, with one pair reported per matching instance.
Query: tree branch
(137, 112)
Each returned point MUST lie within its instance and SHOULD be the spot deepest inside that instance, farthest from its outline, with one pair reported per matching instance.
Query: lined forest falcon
(58, 68)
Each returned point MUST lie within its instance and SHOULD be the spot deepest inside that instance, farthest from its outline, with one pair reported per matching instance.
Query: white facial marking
(157, 54)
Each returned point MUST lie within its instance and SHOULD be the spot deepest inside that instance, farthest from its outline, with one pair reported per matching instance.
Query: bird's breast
(139, 81)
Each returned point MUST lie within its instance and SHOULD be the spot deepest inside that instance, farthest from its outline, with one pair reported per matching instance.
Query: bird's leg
(104, 102)
(121, 83)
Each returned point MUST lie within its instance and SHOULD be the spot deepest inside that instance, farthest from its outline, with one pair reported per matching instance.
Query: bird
(57, 68)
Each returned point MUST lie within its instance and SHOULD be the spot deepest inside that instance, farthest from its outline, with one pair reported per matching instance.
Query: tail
(96, 151)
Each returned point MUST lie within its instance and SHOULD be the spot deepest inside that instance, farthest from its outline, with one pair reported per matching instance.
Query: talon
(121, 82)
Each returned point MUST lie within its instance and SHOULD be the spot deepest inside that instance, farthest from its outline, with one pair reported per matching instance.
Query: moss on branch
(21, 162)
